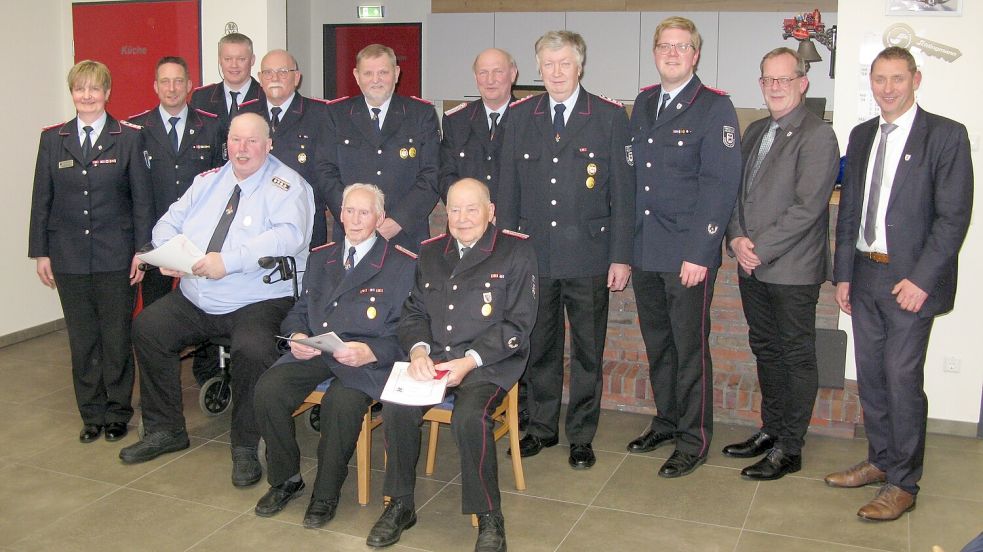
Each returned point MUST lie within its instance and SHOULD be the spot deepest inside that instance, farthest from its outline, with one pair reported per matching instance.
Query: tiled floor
(57, 494)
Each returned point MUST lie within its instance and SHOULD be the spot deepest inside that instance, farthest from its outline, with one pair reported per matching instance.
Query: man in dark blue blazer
(904, 212)
(236, 59)
(354, 287)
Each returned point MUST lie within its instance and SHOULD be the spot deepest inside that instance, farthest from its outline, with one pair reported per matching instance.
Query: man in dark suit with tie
(778, 233)
(236, 58)
(905, 208)
(387, 139)
(354, 287)
(295, 122)
(567, 182)
(687, 156)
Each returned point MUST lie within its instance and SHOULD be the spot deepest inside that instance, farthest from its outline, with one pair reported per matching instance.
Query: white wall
(948, 89)
(263, 21)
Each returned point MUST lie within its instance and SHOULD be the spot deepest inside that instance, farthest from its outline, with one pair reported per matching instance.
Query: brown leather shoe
(862, 474)
(891, 501)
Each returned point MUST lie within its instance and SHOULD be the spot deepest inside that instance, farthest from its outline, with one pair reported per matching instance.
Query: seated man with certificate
(470, 313)
(354, 288)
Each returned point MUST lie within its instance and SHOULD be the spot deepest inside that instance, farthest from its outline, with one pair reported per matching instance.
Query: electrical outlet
(952, 365)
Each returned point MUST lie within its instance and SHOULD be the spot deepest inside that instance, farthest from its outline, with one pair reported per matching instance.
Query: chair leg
(512, 418)
(432, 448)
(363, 453)
(474, 520)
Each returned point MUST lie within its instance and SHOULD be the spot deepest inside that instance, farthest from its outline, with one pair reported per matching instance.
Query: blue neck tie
(558, 123)
(172, 134)
(662, 106)
(350, 261)
(377, 119)
(87, 143)
(274, 118)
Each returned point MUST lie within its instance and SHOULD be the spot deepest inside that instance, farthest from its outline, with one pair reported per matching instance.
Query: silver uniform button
(325, 325)
(450, 307)
(646, 188)
(650, 141)
(553, 202)
(648, 164)
(447, 348)
(449, 327)
(555, 160)
(378, 173)
(379, 152)
(647, 212)
(553, 223)
(525, 156)
(552, 181)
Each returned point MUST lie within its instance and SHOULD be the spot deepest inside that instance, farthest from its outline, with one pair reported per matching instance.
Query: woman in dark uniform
(92, 209)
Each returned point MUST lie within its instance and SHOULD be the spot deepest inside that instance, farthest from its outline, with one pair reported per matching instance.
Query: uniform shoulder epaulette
(141, 114)
(716, 91)
(515, 234)
(610, 101)
(56, 125)
(193, 90)
(336, 100)
(406, 252)
(320, 247)
(421, 100)
(131, 125)
(649, 87)
(209, 171)
(522, 100)
(250, 102)
(433, 239)
(318, 100)
(455, 109)
(206, 113)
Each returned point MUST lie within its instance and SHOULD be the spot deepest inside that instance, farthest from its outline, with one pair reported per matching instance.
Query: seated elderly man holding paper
(467, 319)
(252, 207)
(353, 289)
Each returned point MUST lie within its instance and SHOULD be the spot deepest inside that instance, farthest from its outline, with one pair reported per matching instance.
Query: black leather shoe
(395, 519)
(773, 466)
(319, 512)
(680, 464)
(581, 456)
(530, 445)
(491, 533)
(758, 444)
(523, 419)
(276, 498)
(89, 433)
(649, 441)
(115, 431)
(246, 469)
(153, 445)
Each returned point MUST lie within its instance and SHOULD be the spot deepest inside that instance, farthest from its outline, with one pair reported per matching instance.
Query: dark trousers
(472, 427)
(98, 309)
(154, 286)
(890, 346)
(782, 333)
(675, 325)
(279, 392)
(172, 323)
(586, 304)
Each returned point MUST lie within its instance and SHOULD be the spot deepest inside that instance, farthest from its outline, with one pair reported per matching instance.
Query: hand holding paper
(178, 254)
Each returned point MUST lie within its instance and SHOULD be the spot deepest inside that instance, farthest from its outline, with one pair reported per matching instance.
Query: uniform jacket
(401, 160)
(363, 306)
(466, 149)
(172, 173)
(575, 197)
(928, 211)
(211, 98)
(688, 167)
(493, 292)
(785, 212)
(90, 215)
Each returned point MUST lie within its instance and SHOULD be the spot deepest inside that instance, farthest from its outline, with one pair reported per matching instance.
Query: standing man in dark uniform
(566, 180)
(688, 165)
(389, 140)
(473, 130)
(356, 288)
(471, 310)
(236, 58)
(178, 144)
(295, 122)
(904, 211)
(779, 234)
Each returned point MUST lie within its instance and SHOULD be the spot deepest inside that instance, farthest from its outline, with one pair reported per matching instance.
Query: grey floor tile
(549, 475)
(27, 431)
(952, 443)
(61, 399)
(615, 429)
(263, 535)
(49, 348)
(26, 380)
(947, 522)
(603, 529)
(758, 542)
(824, 455)
(947, 473)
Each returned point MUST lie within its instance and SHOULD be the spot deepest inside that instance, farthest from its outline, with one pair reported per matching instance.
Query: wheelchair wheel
(215, 396)
(314, 418)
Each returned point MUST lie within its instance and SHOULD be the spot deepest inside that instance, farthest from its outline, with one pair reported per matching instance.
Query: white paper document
(401, 388)
(179, 253)
(329, 342)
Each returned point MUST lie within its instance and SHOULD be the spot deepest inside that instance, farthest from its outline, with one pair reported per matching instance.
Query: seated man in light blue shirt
(252, 207)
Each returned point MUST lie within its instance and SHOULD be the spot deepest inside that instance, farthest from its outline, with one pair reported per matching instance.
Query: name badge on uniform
(66, 164)
(281, 183)
(103, 161)
(200, 146)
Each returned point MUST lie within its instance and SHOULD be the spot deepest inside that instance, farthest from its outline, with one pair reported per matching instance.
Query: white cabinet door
(612, 52)
(517, 33)
(706, 24)
(453, 41)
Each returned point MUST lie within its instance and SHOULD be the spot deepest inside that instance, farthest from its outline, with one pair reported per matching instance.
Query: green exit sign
(370, 12)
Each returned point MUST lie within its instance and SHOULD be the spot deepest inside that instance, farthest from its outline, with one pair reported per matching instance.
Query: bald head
(469, 210)
(249, 144)
(495, 73)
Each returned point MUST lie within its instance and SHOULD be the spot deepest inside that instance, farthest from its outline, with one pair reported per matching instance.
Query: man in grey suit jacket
(904, 210)
(779, 235)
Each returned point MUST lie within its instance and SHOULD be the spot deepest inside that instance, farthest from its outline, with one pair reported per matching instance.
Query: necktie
(766, 141)
(224, 223)
(662, 106)
(87, 143)
(274, 118)
(494, 125)
(378, 121)
(234, 110)
(870, 226)
(464, 250)
(558, 124)
(172, 134)
(350, 261)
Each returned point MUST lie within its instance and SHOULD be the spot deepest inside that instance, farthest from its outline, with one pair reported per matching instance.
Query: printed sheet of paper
(179, 253)
(329, 342)
(403, 389)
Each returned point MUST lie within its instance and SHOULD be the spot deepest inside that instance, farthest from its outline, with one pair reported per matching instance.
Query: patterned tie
(766, 141)
(558, 124)
(87, 143)
(662, 106)
(224, 223)
(378, 120)
(494, 125)
(234, 109)
(172, 134)
(870, 227)
(274, 118)
(350, 261)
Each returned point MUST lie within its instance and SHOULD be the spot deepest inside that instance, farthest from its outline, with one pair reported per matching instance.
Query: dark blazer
(467, 150)
(575, 197)
(500, 272)
(927, 214)
(401, 160)
(363, 306)
(211, 98)
(172, 173)
(785, 212)
(90, 215)
(688, 169)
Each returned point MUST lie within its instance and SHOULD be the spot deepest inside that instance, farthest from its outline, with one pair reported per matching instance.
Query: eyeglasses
(682, 47)
(282, 73)
(783, 82)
